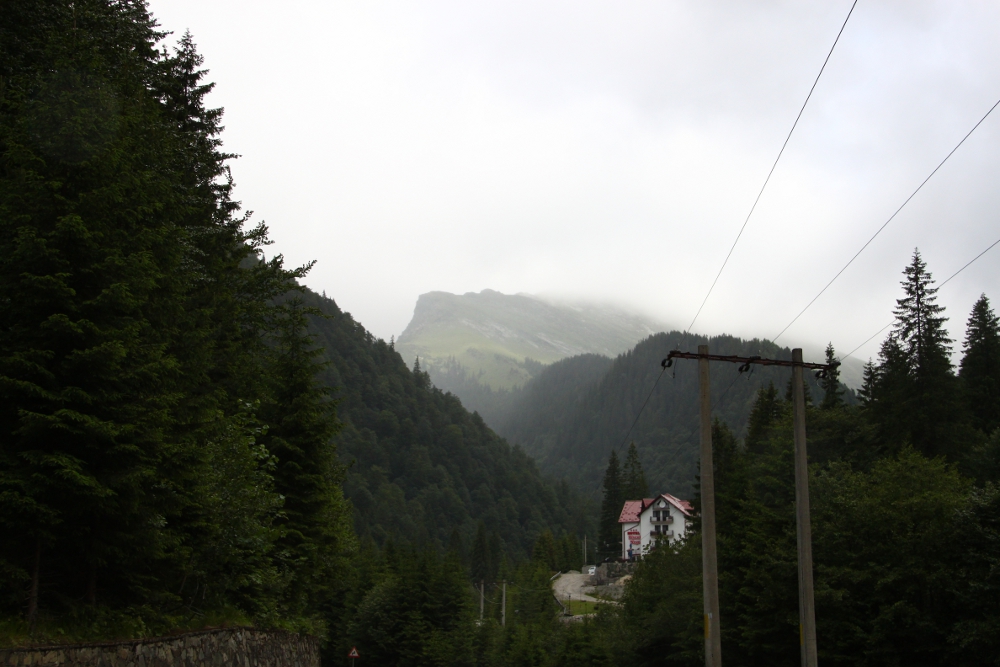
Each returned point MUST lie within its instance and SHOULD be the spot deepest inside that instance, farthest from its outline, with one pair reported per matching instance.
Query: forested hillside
(578, 410)
(420, 466)
(165, 447)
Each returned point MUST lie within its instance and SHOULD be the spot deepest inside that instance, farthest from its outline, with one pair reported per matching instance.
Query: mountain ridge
(499, 339)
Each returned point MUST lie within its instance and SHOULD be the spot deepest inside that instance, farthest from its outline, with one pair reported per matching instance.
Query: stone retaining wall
(608, 573)
(239, 647)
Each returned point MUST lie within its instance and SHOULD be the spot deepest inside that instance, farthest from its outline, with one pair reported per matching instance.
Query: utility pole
(807, 602)
(482, 595)
(807, 607)
(503, 608)
(709, 561)
(584, 549)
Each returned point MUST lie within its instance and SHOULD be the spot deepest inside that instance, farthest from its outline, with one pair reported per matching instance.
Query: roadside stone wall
(236, 647)
(608, 573)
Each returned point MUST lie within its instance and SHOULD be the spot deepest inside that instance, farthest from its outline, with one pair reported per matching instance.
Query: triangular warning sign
(353, 653)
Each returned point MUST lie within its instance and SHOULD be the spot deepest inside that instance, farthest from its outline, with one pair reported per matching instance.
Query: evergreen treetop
(980, 366)
(919, 324)
(832, 391)
(634, 486)
(611, 508)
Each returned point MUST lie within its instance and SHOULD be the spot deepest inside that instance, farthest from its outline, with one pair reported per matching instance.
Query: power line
(886, 223)
(639, 414)
(636, 420)
(773, 166)
(946, 281)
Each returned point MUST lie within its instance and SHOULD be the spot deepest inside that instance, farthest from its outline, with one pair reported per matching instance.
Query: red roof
(682, 505)
(630, 512)
(633, 508)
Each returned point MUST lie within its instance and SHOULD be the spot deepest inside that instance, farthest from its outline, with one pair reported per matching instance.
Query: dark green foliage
(661, 614)
(418, 611)
(833, 394)
(915, 396)
(485, 561)
(545, 553)
(138, 322)
(634, 484)
(904, 555)
(315, 522)
(980, 367)
(546, 406)
(610, 535)
(765, 412)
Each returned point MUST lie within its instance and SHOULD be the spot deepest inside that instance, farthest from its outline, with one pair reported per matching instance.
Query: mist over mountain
(479, 346)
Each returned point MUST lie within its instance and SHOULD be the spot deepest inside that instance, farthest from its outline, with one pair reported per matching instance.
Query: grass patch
(578, 607)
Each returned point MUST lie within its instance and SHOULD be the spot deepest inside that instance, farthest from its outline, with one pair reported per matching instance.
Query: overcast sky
(611, 151)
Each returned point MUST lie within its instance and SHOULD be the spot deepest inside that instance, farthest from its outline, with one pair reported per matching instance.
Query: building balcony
(665, 533)
(665, 520)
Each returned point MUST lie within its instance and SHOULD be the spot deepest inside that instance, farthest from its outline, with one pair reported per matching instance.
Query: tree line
(166, 446)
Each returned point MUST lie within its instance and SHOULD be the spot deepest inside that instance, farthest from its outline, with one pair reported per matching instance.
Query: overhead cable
(773, 166)
(638, 414)
(886, 223)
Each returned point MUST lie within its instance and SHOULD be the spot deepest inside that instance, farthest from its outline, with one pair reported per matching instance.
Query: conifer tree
(869, 376)
(765, 411)
(832, 393)
(980, 366)
(481, 557)
(634, 484)
(545, 551)
(302, 423)
(611, 508)
(915, 391)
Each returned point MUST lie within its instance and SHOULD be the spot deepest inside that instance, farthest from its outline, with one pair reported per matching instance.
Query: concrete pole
(482, 596)
(709, 561)
(503, 608)
(807, 603)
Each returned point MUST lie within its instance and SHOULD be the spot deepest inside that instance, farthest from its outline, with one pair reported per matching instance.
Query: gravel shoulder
(575, 585)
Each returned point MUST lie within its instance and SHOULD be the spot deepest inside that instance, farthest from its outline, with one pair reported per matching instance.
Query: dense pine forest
(190, 438)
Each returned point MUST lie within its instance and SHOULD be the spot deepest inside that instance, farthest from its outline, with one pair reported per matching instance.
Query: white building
(650, 520)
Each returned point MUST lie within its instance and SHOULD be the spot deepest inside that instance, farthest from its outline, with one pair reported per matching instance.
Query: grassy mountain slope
(575, 412)
(500, 341)
(420, 464)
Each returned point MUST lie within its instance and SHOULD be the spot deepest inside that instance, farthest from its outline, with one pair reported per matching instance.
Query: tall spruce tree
(315, 521)
(634, 484)
(763, 415)
(611, 508)
(980, 366)
(483, 560)
(916, 395)
(833, 394)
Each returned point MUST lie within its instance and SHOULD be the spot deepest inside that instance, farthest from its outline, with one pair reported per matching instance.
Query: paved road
(573, 584)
